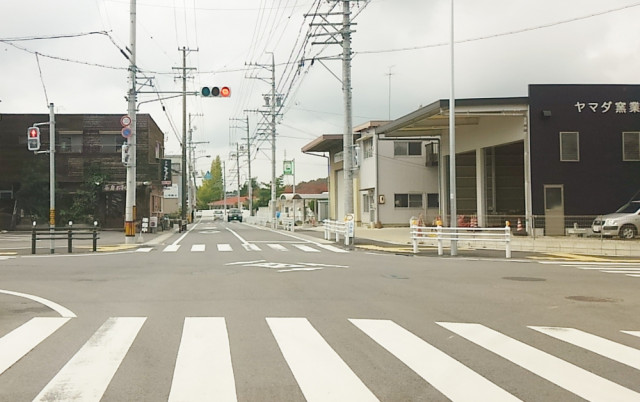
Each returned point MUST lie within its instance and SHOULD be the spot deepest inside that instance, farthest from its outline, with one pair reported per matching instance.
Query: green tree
(264, 193)
(81, 204)
(211, 189)
(33, 195)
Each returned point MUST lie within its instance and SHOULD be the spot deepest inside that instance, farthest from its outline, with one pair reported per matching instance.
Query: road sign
(126, 132)
(125, 121)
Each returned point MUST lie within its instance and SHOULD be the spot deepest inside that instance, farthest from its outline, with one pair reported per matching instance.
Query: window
(366, 200)
(70, 143)
(569, 147)
(433, 200)
(367, 146)
(407, 148)
(432, 150)
(111, 143)
(408, 200)
(631, 146)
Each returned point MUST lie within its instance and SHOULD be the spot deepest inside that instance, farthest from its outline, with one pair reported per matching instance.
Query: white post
(439, 235)
(507, 232)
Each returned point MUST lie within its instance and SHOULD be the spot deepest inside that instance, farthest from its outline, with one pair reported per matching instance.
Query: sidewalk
(399, 239)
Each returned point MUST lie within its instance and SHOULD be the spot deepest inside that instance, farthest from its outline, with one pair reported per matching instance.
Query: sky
(69, 52)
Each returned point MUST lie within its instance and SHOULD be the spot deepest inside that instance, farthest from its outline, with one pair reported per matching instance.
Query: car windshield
(629, 208)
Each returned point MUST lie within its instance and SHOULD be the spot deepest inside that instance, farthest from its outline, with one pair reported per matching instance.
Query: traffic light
(216, 92)
(33, 138)
(125, 154)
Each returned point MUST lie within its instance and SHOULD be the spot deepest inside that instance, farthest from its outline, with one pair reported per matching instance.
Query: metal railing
(461, 235)
(68, 234)
(337, 228)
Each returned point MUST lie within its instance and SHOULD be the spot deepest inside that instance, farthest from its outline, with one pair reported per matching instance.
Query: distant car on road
(234, 214)
(218, 214)
(624, 222)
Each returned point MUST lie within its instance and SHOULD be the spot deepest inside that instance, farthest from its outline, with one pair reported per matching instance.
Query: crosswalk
(204, 366)
(630, 269)
(225, 247)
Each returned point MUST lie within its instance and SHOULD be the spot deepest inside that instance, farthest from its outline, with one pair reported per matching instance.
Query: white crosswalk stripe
(566, 375)
(306, 248)
(225, 247)
(198, 247)
(86, 376)
(320, 372)
(277, 247)
(172, 248)
(631, 269)
(204, 368)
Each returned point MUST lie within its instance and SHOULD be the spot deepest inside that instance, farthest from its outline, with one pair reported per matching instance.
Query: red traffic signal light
(216, 92)
(33, 138)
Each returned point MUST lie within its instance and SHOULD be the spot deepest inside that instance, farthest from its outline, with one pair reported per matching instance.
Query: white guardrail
(461, 235)
(338, 228)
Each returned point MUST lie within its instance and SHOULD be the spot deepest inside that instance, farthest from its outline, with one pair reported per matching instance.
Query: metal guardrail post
(439, 235)
(69, 241)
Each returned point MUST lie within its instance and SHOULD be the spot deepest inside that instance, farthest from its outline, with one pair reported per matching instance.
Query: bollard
(414, 240)
(33, 238)
(440, 247)
(507, 231)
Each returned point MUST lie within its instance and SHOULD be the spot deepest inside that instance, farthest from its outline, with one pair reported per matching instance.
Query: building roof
(324, 143)
(229, 201)
(433, 119)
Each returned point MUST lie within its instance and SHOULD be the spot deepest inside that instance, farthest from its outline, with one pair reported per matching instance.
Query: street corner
(570, 257)
(388, 248)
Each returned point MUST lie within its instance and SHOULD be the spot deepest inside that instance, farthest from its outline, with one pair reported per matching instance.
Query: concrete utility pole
(184, 69)
(130, 203)
(52, 177)
(340, 34)
(273, 103)
(250, 185)
(452, 143)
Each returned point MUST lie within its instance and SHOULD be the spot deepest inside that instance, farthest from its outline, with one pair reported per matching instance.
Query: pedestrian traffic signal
(33, 138)
(216, 92)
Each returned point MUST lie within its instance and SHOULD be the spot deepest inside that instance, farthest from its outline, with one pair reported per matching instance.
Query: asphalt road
(229, 311)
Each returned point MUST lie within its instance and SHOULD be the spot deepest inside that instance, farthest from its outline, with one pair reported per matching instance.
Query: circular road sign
(125, 121)
(126, 132)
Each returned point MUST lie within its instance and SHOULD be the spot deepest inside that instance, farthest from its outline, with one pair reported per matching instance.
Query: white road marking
(198, 247)
(251, 247)
(331, 248)
(277, 247)
(634, 333)
(566, 375)
(604, 347)
(86, 376)
(17, 343)
(172, 248)
(306, 248)
(203, 370)
(224, 247)
(63, 311)
(440, 370)
(321, 374)
(144, 249)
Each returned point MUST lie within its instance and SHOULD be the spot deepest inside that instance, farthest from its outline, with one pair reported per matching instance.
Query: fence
(461, 235)
(337, 228)
(68, 234)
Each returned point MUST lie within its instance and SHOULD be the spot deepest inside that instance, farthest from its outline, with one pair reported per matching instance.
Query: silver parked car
(624, 222)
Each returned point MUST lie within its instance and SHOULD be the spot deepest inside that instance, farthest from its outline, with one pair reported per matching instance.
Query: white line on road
(144, 249)
(224, 247)
(306, 248)
(634, 333)
(321, 374)
(198, 247)
(203, 370)
(17, 343)
(604, 347)
(566, 375)
(331, 248)
(86, 376)
(440, 370)
(251, 247)
(277, 247)
(172, 248)
(64, 312)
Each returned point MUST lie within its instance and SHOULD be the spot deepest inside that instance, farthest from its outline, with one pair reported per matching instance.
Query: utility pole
(238, 172)
(340, 34)
(273, 101)
(453, 222)
(250, 185)
(52, 177)
(130, 203)
(184, 69)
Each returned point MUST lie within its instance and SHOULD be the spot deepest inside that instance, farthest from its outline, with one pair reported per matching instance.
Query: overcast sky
(401, 61)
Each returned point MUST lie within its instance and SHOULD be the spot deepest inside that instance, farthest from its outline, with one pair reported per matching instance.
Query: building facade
(88, 163)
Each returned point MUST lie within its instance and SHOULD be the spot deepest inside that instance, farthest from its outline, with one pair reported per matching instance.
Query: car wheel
(628, 232)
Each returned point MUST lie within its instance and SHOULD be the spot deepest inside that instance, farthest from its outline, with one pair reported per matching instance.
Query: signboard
(126, 132)
(125, 121)
(288, 167)
(171, 192)
(165, 167)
